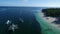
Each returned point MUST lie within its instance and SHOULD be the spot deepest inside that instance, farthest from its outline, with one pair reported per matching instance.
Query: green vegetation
(53, 12)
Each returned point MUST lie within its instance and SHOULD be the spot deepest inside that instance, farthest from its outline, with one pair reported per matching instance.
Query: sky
(32, 3)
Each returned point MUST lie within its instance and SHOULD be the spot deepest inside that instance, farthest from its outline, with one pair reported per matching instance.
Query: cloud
(24, 0)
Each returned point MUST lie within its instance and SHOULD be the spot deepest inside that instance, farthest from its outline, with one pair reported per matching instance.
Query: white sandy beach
(49, 19)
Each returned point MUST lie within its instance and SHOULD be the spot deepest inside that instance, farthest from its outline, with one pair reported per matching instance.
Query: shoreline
(50, 20)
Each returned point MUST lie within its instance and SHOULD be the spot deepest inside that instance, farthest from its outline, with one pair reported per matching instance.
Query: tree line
(52, 12)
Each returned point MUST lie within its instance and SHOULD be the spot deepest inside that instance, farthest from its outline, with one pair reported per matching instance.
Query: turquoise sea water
(33, 23)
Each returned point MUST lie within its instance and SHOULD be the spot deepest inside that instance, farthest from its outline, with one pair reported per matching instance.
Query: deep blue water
(30, 24)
